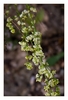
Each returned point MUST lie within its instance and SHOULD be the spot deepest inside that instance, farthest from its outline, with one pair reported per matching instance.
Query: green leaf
(54, 59)
(39, 16)
(28, 6)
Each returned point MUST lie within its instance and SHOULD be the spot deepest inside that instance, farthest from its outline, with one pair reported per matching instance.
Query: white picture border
(2, 48)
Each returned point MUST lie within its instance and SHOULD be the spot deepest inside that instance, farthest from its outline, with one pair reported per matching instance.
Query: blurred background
(18, 81)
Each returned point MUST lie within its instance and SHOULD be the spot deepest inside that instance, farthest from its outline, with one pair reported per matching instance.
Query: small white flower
(25, 11)
(38, 78)
(42, 71)
(37, 75)
(37, 34)
(18, 22)
(23, 23)
(16, 18)
(33, 9)
(35, 60)
(36, 41)
(21, 15)
(29, 28)
(29, 15)
(32, 26)
(9, 19)
(37, 46)
(34, 21)
(39, 53)
(29, 38)
(43, 61)
(24, 30)
(22, 43)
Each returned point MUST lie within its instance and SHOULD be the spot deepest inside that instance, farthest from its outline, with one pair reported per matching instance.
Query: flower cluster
(31, 42)
(29, 65)
(9, 25)
(33, 9)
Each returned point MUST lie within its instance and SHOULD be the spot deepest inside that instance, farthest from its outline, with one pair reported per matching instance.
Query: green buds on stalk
(31, 43)
(9, 25)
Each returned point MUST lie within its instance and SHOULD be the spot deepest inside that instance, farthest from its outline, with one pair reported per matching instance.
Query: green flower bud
(9, 19)
(13, 31)
(38, 78)
(28, 65)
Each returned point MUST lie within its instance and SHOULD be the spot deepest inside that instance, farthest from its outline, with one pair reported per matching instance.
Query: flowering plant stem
(31, 43)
